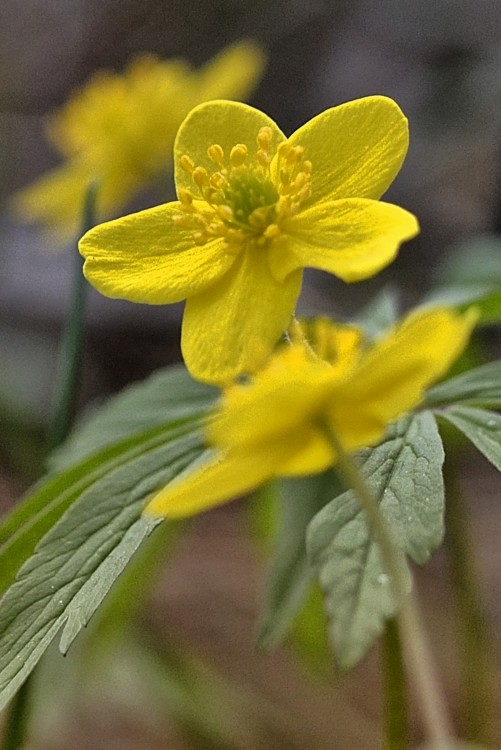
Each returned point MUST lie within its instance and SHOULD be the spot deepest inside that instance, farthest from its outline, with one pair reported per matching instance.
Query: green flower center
(244, 202)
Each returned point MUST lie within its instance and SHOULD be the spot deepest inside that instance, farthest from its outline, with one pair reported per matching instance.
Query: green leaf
(289, 575)
(486, 299)
(475, 260)
(481, 427)
(478, 387)
(71, 538)
(405, 476)
(472, 276)
(39, 511)
(380, 314)
(104, 440)
(76, 562)
(169, 394)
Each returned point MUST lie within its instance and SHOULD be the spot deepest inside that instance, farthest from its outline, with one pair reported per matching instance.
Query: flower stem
(419, 659)
(70, 355)
(471, 620)
(395, 702)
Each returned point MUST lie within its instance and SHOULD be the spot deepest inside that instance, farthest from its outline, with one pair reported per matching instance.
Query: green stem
(395, 699)
(418, 655)
(472, 625)
(70, 355)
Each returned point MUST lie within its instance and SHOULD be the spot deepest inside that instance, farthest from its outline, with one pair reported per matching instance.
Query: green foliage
(472, 276)
(404, 474)
(481, 427)
(478, 387)
(70, 540)
(289, 575)
(380, 314)
(169, 394)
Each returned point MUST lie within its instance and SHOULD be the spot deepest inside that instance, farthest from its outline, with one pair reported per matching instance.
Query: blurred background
(441, 61)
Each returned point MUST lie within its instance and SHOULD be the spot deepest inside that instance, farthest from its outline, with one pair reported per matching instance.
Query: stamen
(264, 138)
(185, 198)
(186, 163)
(218, 180)
(241, 201)
(200, 177)
(216, 154)
(238, 154)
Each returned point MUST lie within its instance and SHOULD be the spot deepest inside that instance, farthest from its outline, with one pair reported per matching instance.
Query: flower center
(242, 201)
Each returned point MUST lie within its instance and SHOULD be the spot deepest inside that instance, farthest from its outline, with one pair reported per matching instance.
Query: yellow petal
(145, 257)
(223, 478)
(225, 123)
(394, 375)
(353, 239)
(230, 328)
(356, 149)
(55, 198)
(278, 402)
(232, 74)
(315, 455)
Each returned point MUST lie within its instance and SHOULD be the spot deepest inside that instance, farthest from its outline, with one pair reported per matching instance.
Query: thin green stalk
(70, 355)
(471, 619)
(16, 727)
(394, 690)
(420, 663)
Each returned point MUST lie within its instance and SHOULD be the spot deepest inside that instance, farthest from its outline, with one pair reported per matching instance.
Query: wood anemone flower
(254, 209)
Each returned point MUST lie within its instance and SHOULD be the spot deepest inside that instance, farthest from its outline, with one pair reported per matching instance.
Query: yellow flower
(120, 128)
(279, 424)
(254, 209)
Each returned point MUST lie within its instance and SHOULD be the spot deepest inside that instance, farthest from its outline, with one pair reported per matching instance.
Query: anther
(216, 154)
(271, 231)
(217, 180)
(264, 138)
(300, 180)
(200, 177)
(185, 197)
(225, 212)
(187, 163)
(238, 154)
(200, 238)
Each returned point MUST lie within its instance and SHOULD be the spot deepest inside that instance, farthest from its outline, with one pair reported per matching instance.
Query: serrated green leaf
(481, 427)
(76, 562)
(289, 575)
(169, 394)
(478, 387)
(39, 511)
(124, 424)
(405, 476)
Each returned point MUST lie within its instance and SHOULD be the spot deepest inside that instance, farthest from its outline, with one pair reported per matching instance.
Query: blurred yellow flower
(120, 129)
(281, 421)
(254, 209)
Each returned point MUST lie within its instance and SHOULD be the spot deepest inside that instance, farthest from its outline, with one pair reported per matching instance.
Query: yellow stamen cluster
(241, 201)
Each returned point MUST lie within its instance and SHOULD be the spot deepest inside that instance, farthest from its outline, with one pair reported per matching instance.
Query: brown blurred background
(441, 61)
